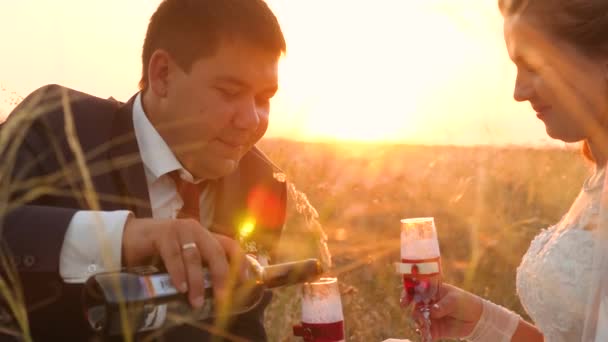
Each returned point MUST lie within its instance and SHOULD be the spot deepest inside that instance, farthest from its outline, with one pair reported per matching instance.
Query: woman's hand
(454, 315)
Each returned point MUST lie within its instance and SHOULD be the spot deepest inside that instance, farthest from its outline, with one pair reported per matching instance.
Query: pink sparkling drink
(420, 266)
(322, 317)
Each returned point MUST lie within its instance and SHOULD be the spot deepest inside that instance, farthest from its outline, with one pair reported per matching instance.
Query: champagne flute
(421, 268)
(322, 317)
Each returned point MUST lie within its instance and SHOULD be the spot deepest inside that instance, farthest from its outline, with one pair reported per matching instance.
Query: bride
(560, 49)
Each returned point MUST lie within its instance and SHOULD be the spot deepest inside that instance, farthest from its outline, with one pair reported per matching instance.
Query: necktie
(190, 194)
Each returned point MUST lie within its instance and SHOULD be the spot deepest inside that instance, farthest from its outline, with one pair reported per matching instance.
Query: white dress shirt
(93, 240)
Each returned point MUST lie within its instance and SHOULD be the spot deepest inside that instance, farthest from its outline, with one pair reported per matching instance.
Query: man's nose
(247, 117)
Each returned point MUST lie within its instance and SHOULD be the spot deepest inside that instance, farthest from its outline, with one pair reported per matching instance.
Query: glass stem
(425, 329)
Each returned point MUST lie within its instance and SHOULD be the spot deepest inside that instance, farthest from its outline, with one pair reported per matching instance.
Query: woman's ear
(158, 72)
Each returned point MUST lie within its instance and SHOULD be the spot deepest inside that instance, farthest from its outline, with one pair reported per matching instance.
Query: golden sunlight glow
(433, 71)
(246, 229)
(419, 71)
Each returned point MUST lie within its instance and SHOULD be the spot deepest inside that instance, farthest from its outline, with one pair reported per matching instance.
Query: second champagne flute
(421, 267)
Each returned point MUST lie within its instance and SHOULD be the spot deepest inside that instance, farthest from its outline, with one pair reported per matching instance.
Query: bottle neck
(291, 273)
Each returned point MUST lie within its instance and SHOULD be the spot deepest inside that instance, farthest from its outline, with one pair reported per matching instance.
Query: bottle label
(155, 317)
(158, 285)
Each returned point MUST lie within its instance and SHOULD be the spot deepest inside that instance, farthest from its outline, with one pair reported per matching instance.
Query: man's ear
(158, 72)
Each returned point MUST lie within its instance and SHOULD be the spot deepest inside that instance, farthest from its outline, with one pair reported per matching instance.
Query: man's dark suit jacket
(34, 231)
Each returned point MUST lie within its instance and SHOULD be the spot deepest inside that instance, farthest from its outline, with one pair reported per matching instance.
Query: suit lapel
(127, 164)
(252, 195)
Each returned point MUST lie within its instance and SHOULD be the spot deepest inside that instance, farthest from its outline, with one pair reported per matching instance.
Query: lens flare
(246, 228)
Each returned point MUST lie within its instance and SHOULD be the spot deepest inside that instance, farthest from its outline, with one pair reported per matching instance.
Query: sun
(376, 73)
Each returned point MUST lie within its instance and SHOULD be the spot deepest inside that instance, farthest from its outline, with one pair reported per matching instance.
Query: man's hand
(183, 245)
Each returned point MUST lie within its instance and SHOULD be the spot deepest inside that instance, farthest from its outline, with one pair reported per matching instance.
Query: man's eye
(228, 92)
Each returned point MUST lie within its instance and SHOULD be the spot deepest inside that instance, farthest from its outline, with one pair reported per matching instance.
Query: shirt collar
(156, 155)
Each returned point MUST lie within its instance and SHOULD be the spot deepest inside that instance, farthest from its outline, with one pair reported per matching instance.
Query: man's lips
(232, 143)
(229, 148)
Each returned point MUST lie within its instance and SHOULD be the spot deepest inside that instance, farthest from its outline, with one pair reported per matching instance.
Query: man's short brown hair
(192, 29)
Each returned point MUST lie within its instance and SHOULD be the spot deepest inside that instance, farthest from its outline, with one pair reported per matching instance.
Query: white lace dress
(554, 275)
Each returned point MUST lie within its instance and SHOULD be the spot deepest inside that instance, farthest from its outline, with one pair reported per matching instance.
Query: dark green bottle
(151, 302)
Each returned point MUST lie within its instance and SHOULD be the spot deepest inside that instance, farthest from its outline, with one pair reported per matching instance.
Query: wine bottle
(151, 301)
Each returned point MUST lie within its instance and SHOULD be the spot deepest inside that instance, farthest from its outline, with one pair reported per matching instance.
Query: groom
(170, 175)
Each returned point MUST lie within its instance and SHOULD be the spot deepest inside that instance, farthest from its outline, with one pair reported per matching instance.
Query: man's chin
(217, 169)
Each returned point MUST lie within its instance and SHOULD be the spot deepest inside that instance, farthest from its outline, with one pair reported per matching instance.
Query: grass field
(488, 203)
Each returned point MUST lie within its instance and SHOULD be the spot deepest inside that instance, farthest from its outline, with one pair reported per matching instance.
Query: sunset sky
(415, 71)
